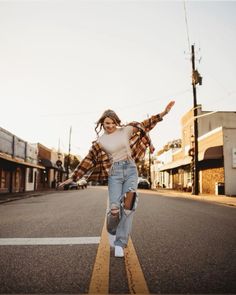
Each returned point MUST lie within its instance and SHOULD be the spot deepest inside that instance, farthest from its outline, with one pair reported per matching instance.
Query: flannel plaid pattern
(96, 165)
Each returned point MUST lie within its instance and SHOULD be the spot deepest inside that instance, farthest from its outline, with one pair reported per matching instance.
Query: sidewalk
(220, 199)
(9, 197)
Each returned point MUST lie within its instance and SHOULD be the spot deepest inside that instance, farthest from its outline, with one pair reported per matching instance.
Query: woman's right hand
(62, 184)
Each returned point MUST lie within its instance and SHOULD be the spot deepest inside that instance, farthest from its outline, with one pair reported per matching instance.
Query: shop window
(30, 175)
(3, 179)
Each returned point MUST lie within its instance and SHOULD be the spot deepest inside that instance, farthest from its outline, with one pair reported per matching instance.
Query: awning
(214, 152)
(19, 161)
(46, 163)
(175, 164)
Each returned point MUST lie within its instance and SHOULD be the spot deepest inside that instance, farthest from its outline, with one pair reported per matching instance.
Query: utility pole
(196, 79)
(149, 166)
(149, 163)
(68, 160)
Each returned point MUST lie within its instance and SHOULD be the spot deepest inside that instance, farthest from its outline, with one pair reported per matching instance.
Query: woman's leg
(128, 204)
(115, 185)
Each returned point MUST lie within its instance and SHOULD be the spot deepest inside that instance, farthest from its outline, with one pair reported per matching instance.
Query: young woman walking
(112, 157)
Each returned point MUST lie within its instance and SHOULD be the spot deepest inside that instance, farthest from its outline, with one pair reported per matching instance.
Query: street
(180, 245)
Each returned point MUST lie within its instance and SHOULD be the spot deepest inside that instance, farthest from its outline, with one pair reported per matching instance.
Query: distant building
(18, 164)
(28, 167)
(164, 156)
(53, 162)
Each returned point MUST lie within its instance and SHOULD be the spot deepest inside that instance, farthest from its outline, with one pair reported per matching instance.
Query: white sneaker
(112, 239)
(119, 251)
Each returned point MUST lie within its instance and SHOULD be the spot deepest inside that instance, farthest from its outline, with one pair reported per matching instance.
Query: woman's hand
(62, 184)
(169, 106)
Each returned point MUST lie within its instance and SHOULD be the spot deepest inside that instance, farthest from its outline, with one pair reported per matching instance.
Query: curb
(219, 199)
(6, 198)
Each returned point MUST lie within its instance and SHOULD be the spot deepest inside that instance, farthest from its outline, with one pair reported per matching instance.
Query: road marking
(99, 283)
(50, 241)
(136, 280)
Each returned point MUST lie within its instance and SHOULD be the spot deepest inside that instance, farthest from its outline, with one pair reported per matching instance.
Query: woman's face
(109, 125)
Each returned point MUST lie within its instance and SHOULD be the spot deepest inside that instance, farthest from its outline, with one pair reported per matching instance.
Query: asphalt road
(186, 246)
(183, 246)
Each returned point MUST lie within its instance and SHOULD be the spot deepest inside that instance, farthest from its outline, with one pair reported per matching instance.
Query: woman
(112, 157)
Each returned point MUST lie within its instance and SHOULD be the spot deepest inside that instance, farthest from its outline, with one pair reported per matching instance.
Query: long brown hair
(107, 114)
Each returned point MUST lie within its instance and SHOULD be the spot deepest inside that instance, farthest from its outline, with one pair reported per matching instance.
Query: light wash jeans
(123, 178)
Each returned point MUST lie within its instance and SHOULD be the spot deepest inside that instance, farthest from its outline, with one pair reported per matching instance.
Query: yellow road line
(99, 283)
(136, 280)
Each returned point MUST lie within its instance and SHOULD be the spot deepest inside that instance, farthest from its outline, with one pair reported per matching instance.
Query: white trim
(176, 164)
(177, 152)
(50, 241)
(210, 133)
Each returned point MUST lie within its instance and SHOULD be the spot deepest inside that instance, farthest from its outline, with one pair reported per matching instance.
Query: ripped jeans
(123, 178)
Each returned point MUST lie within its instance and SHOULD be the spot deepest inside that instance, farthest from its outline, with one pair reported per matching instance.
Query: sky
(62, 63)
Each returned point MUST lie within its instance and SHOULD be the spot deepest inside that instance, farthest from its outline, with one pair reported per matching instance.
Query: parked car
(72, 185)
(143, 183)
(82, 183)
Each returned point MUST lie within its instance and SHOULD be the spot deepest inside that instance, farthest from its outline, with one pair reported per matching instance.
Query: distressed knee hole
(129, 200)
(115, 211)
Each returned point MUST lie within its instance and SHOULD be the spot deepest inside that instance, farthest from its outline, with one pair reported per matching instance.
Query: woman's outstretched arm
(84, 166)
(167, 108)
(150, 123)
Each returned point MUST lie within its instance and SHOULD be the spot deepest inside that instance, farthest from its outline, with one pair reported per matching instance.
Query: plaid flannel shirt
(96, 165)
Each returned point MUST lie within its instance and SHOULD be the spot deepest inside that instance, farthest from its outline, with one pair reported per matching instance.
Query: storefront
(17, 175)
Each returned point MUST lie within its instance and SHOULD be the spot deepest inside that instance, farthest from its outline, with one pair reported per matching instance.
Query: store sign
(234, 157)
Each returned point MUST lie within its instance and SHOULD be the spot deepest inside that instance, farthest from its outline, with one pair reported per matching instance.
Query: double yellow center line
(99, 283)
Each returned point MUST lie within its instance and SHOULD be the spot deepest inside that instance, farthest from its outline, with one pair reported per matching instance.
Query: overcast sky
(62, 63)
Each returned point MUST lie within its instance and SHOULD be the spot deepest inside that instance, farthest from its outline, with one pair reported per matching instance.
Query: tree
(72, 161)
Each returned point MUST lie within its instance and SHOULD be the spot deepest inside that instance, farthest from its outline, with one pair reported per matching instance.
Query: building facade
(216, 154)
(28, 167)
(18, 164)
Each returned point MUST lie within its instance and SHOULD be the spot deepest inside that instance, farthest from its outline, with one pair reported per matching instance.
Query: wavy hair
(107, 114)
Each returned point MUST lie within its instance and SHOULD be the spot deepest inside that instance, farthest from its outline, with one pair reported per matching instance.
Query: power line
(121, 107)
(186, 23)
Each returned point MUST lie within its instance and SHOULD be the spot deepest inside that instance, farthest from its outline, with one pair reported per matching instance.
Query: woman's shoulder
(128, 129)
(96, 144)
(137, 126)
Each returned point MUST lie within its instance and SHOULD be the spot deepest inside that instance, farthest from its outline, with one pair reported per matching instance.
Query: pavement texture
(221, 199)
